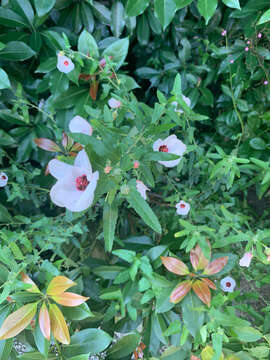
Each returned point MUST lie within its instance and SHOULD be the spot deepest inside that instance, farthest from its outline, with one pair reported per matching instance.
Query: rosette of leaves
(197, 281)
(50, 318)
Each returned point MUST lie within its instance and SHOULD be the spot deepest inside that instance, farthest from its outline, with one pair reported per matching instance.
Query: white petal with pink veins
(246, 259)
(59, 169)
(170, 145)
(79, 125)
(64, 64)
(141, 188)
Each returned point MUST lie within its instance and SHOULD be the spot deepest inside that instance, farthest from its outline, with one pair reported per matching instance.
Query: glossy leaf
(193, 316)
(26, 279)
(16, 51)
(180, 291)
(118, 51)
(125, 346)
(215, 266)
(209, 283)
(44, 321)
(118, 14)
(174, 265)
(143, 210)
(59, 284)
(4, 80)
(197, 258)
(47, 144)
(24, 8)
(232, 4)
(207, 8)
(180, 4)
(58, 325)
(110, 215)
(69, 299)
(17, 321)
(11, 18)
(136, 7)
(87, 44)
(41, 342)
(43, 6)
(264, 18)
(94, 89)
(202, 291)
(165, 10)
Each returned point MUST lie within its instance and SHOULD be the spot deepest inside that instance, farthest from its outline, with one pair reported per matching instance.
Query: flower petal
(227, 284)
(59, 169)
(86, 198)
(64, 192)
(157, 144)
(80, 125)
(82, 161)
(3, 179)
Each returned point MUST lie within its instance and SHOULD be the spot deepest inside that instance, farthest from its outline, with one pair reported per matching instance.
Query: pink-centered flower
(64, 64)
(224, 33)
(182, 208)
(79, 125)
(170, 145)
(227, 284)
(175, 104)
(259, 35)
(141, 188)
(3, 179)
(75, 184)
(136, 164)
(246, 259)
(114, 104)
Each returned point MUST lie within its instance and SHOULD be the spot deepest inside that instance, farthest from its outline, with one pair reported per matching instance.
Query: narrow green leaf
(118, 21)
(110, 214)
(143, 209)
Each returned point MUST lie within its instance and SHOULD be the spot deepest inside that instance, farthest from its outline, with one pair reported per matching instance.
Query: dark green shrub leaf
(16, 51)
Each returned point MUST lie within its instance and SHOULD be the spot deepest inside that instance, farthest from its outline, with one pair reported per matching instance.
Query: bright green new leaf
(4, 80)
(264, 18)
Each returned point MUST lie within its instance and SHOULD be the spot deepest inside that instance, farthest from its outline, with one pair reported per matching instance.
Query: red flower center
(81, 182)
(3, 177)
(163, 148)
(228, 284)
(66, 63)
(182, 206)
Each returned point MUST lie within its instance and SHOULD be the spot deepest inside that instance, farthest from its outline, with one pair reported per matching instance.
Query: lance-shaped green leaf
(180, 291)
(215, 266)
(87, 44)
(110, 214)
(136, 7)
(143, 209)
(207, 8)
(165, 10)
(174, 265)
(58, 325)
(4, 80)
(17, 321)
(202, 291)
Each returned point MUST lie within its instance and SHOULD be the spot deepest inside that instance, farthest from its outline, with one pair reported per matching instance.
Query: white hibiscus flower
(3, 179)
(175, 104)
(182, 208)
(75, 184)
(246, 259)
(227, 284)
(64, 64)
(170, 145)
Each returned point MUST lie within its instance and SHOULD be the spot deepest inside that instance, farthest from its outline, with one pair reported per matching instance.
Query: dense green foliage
(150, 55)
